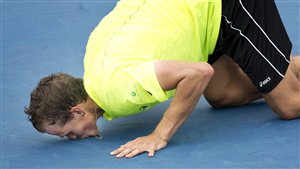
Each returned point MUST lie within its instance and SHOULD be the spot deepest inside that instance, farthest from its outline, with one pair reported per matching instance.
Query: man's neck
(98, 111)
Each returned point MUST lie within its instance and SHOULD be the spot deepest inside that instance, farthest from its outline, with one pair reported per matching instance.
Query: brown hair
(53, 98)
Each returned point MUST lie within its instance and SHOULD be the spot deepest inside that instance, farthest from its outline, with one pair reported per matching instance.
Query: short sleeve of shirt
(147, 83)
(132, 88)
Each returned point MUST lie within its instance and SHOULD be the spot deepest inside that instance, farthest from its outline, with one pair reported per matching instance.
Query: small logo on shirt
(143, 108)
(261, 84)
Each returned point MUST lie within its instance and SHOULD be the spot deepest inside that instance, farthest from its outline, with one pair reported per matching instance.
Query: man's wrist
(160, 137)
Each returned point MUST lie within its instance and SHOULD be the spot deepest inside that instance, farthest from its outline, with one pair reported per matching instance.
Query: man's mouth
(99, 137)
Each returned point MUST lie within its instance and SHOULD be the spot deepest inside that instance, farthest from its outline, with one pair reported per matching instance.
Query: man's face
(82, 125)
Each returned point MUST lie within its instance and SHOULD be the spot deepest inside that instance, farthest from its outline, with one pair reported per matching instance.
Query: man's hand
(150, 144)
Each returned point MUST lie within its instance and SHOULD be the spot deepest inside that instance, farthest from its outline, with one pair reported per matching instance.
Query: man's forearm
(188, 92)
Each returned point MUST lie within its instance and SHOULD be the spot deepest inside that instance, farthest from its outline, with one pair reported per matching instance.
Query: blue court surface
(41, 37)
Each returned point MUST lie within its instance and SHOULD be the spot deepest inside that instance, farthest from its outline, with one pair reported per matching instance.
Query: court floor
(39, 37)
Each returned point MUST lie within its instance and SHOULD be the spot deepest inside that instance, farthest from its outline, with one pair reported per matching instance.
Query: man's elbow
(205, 71)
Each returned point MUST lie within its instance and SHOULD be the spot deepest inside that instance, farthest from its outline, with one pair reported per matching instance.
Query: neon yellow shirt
(119, 62)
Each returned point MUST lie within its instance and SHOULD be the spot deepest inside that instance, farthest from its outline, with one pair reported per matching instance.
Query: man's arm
(190, 80)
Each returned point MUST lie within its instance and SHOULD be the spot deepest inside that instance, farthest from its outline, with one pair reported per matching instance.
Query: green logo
(133, 94)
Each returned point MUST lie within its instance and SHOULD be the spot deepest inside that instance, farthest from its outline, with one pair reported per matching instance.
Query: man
(144, 52)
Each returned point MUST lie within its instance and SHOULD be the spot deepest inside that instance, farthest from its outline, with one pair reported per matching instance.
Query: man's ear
(77, 111)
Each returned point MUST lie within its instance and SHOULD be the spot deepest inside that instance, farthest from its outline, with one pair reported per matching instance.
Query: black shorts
(253, 35)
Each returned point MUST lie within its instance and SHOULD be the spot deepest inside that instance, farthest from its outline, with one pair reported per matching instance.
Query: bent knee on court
(288, 112)
(228, 99)
(284, 99)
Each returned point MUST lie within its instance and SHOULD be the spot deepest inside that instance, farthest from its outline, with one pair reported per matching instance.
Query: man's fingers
(119, 150)
(133, 153)
(151, 153)
(124, 153)
(140, 145)
(151, 150)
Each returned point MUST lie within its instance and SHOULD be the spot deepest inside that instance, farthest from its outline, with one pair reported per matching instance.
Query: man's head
(59, 105)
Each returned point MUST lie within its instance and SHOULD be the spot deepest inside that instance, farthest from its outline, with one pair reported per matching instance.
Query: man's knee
(225, 99)
(287, 109)
(216, 102)
(288, 113)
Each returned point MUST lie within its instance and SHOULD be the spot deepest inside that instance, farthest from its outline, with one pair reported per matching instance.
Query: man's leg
(284, 99)
(253, 35)
(229, 86)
